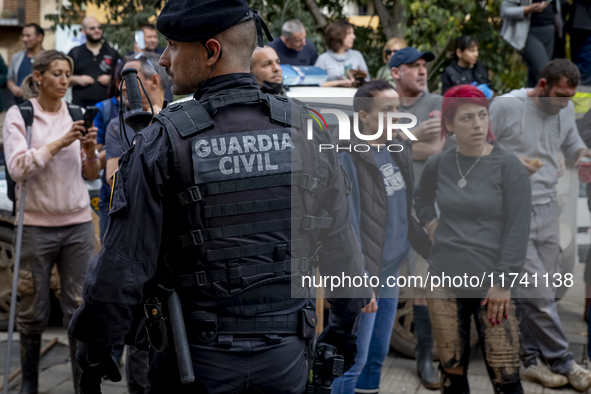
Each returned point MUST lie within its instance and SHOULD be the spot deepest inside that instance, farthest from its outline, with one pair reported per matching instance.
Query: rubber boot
(454, 384)
(30, 354)
(423, 352)
(76, 371)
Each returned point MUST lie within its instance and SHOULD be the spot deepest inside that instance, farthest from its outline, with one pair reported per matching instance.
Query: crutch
(17, 258)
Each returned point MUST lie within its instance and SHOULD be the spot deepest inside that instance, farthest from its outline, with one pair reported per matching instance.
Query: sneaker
(541, 374)
(579, 378)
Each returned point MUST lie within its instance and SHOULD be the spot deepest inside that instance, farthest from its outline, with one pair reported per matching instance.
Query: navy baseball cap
(408, 55)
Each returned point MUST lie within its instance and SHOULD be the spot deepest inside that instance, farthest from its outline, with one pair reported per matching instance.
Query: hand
(104, 79)
(95, 362)
(431, 230)
(498, 301)
(372, 307)
(86, 80)
(580, 154)
(346, 346)
(525, 161)
(92, 374)
(88, 142)
(17, 91)
(136, 48)
(536, 7)
(428, 130)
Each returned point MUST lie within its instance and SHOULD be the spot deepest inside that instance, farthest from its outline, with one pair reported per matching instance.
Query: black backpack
(28, 115)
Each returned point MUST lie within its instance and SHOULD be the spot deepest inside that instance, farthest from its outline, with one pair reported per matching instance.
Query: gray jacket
(15, 64)
(516, 24)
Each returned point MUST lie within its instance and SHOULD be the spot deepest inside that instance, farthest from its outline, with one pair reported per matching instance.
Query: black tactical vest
(245, 208)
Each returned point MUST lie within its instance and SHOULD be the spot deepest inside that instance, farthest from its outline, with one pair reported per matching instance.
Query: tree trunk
(392, 21)
(317, 14)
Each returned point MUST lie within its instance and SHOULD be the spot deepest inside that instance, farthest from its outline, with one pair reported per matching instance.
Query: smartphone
(88, 117)
(140, 40)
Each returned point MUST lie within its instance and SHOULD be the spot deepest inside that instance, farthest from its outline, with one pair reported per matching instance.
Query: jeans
(373, 344)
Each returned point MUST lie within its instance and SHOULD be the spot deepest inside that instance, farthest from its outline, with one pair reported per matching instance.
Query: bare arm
(112, 167)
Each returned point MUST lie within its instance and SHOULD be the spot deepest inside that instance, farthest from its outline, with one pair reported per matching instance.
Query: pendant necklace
(463, 182)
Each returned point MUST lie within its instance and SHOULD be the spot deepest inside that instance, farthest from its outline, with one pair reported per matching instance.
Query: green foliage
(126, 17)
(435, 24)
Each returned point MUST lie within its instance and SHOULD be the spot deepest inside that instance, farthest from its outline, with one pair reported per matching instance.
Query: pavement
(398, 374)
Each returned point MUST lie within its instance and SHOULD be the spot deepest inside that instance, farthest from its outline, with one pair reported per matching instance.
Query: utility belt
(208, 328)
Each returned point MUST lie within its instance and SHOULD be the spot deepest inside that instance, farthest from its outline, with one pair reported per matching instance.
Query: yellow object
(582, 101)
(112, 190)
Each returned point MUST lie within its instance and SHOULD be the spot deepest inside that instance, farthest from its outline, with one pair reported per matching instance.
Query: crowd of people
(473, 158)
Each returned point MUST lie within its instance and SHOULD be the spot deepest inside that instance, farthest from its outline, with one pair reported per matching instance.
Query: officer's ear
(214, 51)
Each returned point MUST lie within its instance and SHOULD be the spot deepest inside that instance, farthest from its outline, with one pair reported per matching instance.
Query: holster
(156, 325)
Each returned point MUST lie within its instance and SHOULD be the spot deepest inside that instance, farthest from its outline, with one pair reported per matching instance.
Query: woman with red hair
(484, 197)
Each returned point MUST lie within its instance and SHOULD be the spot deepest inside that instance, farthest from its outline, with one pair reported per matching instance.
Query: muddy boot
(423, 352)
(30, 353)
(76, 371)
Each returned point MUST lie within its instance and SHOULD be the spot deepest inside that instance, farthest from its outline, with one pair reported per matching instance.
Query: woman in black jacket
(466, 69)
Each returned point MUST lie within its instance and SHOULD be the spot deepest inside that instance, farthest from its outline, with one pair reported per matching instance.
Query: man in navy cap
(408, 68)
(216, 201)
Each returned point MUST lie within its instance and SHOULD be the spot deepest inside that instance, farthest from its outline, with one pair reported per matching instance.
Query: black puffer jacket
(454, 75)
(374, 203)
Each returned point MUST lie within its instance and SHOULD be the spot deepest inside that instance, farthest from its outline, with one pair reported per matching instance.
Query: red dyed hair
(462, 94)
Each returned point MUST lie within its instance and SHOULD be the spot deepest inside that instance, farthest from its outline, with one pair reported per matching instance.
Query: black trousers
(249, 366)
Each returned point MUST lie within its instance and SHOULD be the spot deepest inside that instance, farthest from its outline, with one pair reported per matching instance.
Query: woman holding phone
(57, 219)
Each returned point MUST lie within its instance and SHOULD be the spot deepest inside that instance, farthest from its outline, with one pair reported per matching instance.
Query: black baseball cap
(197, 20)
(408, 55)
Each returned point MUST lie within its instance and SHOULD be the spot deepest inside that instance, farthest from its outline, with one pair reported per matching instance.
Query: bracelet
(431, 223)
(92, 160)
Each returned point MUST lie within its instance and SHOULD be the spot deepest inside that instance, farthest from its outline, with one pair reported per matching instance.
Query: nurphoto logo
(344, 129)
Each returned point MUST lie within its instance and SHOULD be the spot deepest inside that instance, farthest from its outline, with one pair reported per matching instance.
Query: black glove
(92, 373)
(346, 345)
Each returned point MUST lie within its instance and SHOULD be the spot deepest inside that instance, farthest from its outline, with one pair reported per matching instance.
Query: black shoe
(76, 370)
(423, 352)
(30, 353)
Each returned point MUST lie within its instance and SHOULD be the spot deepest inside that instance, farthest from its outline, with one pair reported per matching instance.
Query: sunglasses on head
(390, 52)
(141, 56)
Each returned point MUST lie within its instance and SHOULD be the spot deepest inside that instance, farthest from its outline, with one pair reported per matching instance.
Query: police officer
(223, 200)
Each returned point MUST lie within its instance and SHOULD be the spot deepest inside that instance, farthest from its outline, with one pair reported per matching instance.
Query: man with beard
(21, 64)
(202, 202)
(533, 124)
(92, 65)
(266, 67)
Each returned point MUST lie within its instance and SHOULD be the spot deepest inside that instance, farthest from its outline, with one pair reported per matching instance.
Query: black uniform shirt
(135, 241)
(85, 63)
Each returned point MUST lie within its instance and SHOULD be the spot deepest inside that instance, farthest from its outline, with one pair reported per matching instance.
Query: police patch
(243, 155)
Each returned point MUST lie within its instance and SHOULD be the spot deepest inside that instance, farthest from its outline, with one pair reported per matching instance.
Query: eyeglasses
(93, 28)
(389, 52)
(141, 56)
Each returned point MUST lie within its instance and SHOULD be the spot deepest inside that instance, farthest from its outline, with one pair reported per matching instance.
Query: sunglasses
(390, 52)
(141, 56)
(93, 28)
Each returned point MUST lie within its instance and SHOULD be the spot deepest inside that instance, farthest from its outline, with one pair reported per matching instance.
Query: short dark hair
(558, 69)
(148, 26)
(335, 33)
(38, 29)
(368, 90)
(463, 43)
